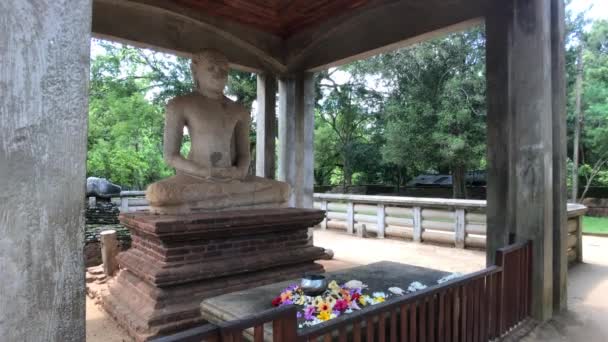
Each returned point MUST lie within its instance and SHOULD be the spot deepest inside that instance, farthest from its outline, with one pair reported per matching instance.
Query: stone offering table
(177, 261)
(378, 276)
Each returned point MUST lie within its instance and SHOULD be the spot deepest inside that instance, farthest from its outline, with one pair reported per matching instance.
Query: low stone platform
(177, 261)
(378, 276)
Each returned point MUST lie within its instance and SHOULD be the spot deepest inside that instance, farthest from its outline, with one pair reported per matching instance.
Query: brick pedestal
(177, 261)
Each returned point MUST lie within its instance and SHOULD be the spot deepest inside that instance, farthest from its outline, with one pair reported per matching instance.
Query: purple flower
(287, 302)
(336, 312)
(309, 312)
(299, 314)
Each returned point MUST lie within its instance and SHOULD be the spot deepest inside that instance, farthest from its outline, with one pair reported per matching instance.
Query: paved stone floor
(588, 283)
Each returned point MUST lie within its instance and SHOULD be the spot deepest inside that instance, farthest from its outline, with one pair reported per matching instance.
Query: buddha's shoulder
(182, 100)
(236, 108)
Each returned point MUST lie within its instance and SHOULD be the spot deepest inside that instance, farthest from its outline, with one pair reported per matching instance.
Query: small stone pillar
(109, 251)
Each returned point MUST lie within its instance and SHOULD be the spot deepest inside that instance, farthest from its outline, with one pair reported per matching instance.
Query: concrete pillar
(266, 126)
(520, 137)
(44, 72)
(560, 189)
(296, 130)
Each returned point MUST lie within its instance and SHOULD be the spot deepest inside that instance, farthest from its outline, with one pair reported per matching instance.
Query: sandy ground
(587, 315)
(587, 319)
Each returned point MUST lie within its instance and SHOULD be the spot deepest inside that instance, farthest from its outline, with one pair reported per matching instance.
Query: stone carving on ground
(102, 188)
(214, 174)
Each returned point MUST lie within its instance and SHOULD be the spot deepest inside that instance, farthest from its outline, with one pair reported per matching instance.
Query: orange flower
(323, 306)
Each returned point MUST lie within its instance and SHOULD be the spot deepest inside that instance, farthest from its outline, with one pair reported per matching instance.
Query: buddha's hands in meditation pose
(214, 175)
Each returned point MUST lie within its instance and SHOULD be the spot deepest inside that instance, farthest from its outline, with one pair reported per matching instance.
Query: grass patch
(596, 225)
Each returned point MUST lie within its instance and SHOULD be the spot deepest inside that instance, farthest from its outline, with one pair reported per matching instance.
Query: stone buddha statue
(214, 175)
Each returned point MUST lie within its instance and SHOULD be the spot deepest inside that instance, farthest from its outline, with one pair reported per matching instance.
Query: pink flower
(277, 301)
(341, 305)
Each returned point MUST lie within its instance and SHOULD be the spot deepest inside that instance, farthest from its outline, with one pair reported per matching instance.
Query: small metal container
(313, 284)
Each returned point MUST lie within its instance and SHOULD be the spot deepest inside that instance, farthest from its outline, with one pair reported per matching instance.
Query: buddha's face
(210, 70)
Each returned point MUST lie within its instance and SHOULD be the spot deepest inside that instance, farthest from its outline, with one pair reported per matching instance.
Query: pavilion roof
(281, 36)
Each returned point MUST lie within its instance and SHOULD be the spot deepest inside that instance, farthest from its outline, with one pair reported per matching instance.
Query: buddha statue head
(210, 72)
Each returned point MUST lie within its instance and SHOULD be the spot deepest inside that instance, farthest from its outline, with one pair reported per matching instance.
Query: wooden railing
(480, 306)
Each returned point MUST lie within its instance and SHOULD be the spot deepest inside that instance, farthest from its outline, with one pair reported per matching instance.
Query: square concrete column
(520, 137)
(560, 189)
(296, 130)
(44, 72)
(266, 126)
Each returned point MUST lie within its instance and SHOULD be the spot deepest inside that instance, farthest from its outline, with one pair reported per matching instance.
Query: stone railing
(131, 201)
(461, 223)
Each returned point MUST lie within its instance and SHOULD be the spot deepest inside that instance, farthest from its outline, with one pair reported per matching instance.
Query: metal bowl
(313, 284)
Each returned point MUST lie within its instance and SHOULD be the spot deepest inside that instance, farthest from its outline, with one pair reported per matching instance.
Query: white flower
(379, 294)
(396, 290)
(416, 286)
(355, 284)
(449, 277)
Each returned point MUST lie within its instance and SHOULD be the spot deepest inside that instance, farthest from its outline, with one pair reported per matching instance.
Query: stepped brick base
(177, 261)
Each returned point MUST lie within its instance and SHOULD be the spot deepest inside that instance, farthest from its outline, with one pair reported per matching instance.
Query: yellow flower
(324, 315)
(379, 299)
(334, 287)
(363, 300)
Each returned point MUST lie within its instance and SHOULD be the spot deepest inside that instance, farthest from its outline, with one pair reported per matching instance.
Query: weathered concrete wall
(44, 68)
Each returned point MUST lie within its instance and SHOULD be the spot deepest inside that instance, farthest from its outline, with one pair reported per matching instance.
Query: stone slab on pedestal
(177, 261)
(378, 276)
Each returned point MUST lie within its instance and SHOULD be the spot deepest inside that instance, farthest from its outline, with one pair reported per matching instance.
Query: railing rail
(481, 306)
(461, 223)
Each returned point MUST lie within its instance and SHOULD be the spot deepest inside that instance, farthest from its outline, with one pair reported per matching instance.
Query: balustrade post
(380, 215)
(324, 208)
(460, 231)
(285, 327)
(417, 224)
(579, 238)
(350, 217)
(124, 204)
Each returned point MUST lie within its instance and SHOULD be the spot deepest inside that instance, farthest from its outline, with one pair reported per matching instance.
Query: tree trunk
(459, 184)
(577, 123)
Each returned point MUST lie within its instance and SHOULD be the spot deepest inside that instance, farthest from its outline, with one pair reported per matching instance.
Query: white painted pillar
(459, 231)
(296, 144)
(324, 208)
(44, 73)
(266, 126)
(350, 217)
(381, 220)
(417, 224)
